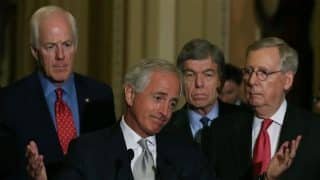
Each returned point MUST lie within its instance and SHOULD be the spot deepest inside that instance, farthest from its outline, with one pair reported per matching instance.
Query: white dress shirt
(273, 130)
(131, 139)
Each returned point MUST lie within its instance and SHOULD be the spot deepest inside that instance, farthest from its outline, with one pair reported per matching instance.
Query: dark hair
(199, 49)
(232, 73)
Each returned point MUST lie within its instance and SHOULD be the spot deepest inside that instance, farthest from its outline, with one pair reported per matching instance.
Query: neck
(266, 111)
(202, 110)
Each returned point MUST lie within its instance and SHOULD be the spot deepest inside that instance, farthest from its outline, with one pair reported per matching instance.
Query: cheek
(70, 55)
(187, 88)
(213, 83)
(273, 91)
(46, 64)
(212, 88)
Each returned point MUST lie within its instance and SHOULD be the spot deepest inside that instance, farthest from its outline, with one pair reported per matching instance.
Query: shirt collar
(131, 137)
(50, 87)
(213, 113)
(278, 116)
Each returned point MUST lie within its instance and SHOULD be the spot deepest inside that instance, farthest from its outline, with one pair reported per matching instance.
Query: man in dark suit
(151, 91)
(29, 109)
(202, 64)
(235, 143)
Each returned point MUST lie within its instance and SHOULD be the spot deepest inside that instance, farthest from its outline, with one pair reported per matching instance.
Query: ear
(34, 52)
(288, 81)
(129, 94)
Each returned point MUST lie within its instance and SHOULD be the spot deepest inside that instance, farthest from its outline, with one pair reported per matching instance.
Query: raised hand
(283, 159)
(35, 165)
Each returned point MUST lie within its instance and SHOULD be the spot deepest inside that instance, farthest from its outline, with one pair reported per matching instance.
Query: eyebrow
(206, 70)
(166, 94)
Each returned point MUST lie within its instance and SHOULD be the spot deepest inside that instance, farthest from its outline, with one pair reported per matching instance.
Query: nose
(252, 79)
(165, 109)
(59, 52)
(199, 81)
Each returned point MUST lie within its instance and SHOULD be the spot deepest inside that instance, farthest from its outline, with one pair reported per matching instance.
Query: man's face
(230, 92)
(201, 81)
(56, 49)
(151, 109)
(266, 95)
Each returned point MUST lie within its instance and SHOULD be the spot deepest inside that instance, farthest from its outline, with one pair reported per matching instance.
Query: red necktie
(262, 152)
(65, 124)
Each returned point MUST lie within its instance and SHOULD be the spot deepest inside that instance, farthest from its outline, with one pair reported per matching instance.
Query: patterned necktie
(65, 125)
(262, 152)
(143, 168)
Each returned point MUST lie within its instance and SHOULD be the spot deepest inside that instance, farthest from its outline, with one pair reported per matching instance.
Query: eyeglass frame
(261, 74)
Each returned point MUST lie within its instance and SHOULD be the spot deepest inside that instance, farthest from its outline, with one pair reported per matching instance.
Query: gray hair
(199, 49)
(288, 56)
(45, 12)
(139, 76)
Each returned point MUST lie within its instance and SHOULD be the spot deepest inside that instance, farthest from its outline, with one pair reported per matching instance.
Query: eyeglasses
(262, 74)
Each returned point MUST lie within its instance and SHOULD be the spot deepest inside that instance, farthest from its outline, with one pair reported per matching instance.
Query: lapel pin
(87, 100)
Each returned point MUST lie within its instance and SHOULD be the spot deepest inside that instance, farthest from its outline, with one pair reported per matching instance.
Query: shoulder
(178, 153)
(179, 115)
(90, 83)
(178, 121)
(227, 109)
(172, 146)
(91, 88)
(304, 119)
(90, 142)
(301, 114)
(21, 87)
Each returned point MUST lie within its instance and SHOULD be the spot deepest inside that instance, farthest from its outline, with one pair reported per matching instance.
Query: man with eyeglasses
(246, 142)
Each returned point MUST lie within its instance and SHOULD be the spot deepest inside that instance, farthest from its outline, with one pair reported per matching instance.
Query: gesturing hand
(283, 159)
(35, 165)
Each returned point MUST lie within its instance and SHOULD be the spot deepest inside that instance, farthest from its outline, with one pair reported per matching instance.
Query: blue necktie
(205, 125)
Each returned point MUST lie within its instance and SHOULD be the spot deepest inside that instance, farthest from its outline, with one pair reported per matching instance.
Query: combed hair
(139, 76)
(44, 12)
(199, 49)
(288, 56)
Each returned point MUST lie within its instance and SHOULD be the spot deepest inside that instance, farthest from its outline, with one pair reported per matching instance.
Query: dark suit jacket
(25, 114)
(103, 155)
(180, 121)
(230, 145)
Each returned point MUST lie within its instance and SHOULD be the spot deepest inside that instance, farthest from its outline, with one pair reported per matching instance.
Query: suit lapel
(165, 169)
(118, 154)
(38, 105)
(182, 123)
(82, 97)
(291, 126)
(242, 144)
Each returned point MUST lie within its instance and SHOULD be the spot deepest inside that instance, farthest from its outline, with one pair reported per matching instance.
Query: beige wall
(243, 30)
(115, 34)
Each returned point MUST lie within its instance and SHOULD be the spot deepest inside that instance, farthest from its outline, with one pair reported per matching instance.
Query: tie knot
(205, 121)
(59, 92)
(265, 124)
(143, 143)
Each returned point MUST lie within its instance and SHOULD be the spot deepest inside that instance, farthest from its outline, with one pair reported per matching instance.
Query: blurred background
(115, 34)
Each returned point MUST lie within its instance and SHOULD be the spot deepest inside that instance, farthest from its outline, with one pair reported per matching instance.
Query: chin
(255, 103)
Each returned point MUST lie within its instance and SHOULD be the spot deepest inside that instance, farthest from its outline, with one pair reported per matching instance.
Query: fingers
(35, 163)
(291, 150)
(294, 144)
